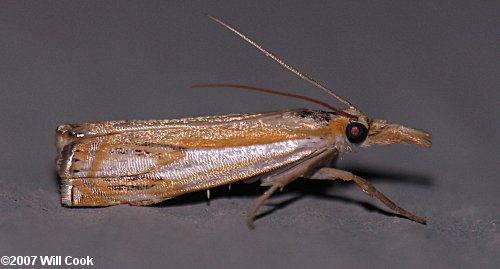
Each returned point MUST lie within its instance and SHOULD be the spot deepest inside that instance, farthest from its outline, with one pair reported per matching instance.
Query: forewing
(196, 169)
(145, 162)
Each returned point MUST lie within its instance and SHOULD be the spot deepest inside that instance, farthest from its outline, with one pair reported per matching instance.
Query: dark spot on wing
(317, 115)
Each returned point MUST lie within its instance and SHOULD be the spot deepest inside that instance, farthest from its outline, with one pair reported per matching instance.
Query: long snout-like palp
(386, 133)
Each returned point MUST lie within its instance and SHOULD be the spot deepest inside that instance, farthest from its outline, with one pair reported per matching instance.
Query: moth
(149, 161)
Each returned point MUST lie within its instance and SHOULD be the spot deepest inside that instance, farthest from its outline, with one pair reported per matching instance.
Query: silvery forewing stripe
(209, 165)
(199, 169)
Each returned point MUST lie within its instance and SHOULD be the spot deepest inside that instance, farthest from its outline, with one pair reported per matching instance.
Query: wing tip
(67, 194)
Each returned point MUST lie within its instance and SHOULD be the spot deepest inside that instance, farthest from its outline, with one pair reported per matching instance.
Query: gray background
(432, 65)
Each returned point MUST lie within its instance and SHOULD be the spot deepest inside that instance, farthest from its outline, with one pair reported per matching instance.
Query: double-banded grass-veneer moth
(147, 162)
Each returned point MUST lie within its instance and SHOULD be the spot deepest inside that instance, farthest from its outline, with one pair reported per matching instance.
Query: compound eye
(356, 132)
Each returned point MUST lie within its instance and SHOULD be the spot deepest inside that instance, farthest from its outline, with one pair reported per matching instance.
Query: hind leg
(367, 187)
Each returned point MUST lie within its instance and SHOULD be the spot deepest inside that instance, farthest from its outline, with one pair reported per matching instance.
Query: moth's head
(361, 131)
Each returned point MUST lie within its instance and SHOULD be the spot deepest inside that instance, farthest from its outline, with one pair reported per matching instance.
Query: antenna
(283, 64)
(270, 91)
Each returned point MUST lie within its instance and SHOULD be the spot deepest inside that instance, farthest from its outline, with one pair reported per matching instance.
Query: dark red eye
(356, 132)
